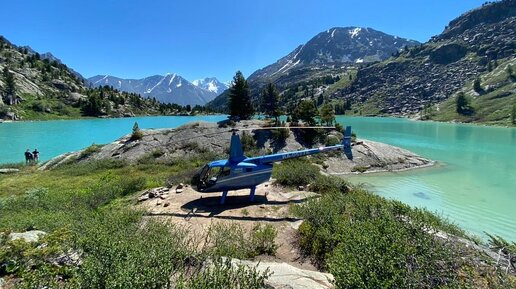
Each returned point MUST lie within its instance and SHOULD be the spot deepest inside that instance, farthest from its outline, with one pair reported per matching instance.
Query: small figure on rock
(28, 157)
(35, 155)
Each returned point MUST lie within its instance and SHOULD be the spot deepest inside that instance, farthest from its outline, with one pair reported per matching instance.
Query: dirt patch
(196, 211)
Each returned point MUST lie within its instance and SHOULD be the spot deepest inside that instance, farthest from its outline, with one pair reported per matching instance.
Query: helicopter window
(214, 172)
(225, 172)
(248, 170)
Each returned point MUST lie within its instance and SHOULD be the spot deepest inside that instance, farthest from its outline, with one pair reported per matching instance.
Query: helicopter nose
(195, 180)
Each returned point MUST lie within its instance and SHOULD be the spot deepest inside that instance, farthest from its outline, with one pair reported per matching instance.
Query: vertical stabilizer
(236, 154)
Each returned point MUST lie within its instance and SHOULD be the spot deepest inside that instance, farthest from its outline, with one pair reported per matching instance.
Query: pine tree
(240, 106)
(327, 114)
(513, 114)
(306, 111)
(270, 102)
(476, 85)
(463, 106)
(137, 133)
(10, 85)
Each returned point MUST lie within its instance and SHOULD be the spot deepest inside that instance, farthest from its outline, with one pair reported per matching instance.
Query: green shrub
(325, 184)
(360, 169)
(280, 135)
(94, 148)
(248, 142)
(366, 241)
(228, 240)
(120, 253)
(263, 239)
(331, 140)
(132, 185)
(295, 172)
(137, 133)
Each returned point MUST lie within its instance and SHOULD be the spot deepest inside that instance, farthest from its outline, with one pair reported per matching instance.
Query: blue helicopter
(241, 172)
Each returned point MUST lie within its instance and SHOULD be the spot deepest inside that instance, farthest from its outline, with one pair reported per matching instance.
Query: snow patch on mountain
(211, 84)
(354, 32)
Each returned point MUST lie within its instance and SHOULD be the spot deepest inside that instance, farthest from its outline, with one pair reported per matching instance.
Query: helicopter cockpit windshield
(210, 175)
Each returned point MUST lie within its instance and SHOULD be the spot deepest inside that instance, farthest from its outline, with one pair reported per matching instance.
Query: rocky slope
(45, 88)
(202, 137)
(170, 88)
(419, 77)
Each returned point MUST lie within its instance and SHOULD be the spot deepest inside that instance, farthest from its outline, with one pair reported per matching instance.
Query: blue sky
(135, 38)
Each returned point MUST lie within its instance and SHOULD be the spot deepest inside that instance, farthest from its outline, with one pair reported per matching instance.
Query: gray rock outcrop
(202, 137)
(285, 276)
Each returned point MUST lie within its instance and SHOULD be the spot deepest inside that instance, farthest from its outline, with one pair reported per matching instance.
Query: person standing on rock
(28, 157)
(35, 155)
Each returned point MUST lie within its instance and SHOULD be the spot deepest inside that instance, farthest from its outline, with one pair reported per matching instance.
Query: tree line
(240, 105)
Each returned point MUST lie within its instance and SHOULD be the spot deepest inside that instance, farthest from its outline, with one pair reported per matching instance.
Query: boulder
(285, 276)
(71, 258)
(29, 236)
(8, 171)
(59, 84)
(74, 96)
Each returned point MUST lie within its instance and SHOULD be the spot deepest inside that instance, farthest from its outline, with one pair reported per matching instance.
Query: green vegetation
(239, 102)
(86, 209)
(305, 111)
(270, 102)
(53, 91)
(295, 172)
(463, 105)
(344, 81)
(327, 114)
(492, 105)
(10, 86)
(366, 241)
(137, 133)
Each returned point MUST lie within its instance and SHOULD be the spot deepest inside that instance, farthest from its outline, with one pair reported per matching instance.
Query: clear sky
(196, 39)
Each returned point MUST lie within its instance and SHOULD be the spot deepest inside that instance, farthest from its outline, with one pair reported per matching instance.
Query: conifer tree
(327, 113)
(476, 85)
(10, 85)
(306, 111)
(463, 106)
(513, 114)
(270, 102)
(240, 106)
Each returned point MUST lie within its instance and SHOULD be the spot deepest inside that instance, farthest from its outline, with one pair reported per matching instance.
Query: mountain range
(336, 46)
(372, 73)
(169, 88)
(328, 53)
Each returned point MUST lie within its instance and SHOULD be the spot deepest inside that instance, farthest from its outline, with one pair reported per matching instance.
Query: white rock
(287, 276)
(29, 236)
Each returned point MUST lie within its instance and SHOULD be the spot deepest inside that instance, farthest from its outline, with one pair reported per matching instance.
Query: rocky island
(201, 137)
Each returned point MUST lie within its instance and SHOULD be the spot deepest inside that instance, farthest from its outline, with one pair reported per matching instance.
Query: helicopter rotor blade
(281, 127)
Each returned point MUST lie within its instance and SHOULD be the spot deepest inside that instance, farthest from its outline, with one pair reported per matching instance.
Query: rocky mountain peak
(336, 46)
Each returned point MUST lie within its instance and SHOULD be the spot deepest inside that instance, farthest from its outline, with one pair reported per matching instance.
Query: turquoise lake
(474, 183)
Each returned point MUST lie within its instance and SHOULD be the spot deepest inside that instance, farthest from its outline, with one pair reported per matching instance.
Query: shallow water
(53, 138)
(474, 184)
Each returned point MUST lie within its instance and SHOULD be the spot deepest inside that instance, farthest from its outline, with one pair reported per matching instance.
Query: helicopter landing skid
(225, 194)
